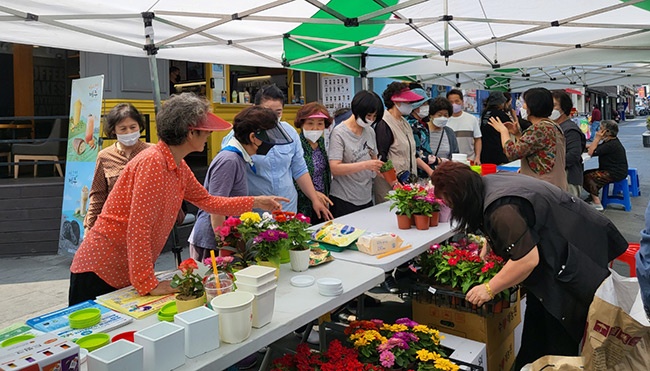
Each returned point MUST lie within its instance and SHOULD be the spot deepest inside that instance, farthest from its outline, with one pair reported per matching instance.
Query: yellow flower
(422, 328)
(445, 365)
(394, 327)
(360, 342)
(250, 217)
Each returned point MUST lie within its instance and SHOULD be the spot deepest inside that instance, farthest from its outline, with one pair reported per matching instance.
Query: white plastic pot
(299, 260)
(254, 275)
(257, 289)
(118, 356)
(235, 311)
(162, 344)
(263, 307)
(201, 330)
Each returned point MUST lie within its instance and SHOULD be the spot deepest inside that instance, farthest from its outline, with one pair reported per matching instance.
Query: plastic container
(201, 330)
(94, 341)
(128, 336)
(235, 315)
(118, 356)
(16, 340)
(488, 169)
(459, 157)
(163, 346)
(263, 306)
(84, 318)
(167, 312)
(255, 275)
(211, 286)
(259, 288)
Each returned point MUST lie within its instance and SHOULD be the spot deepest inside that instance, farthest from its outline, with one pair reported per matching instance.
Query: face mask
(555, 115)
(362, 123)
(128, 139)
(440, 122)
(524, 113)
(313, 135)
(405, 108)
(177, 79)
(457, 107)
(424, 111)
(264, 148)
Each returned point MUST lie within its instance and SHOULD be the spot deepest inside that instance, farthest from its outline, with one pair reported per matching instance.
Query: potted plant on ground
(336, 357)
(296, 226)
(191, 293)
(387, 170)
(403, 203)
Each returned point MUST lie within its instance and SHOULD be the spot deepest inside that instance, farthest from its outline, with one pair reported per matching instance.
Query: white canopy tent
(432, 40)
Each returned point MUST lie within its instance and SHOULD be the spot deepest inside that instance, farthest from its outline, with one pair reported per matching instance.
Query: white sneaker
(598, 207)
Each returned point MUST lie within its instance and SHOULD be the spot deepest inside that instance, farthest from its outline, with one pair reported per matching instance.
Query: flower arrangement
(459, 265)
(268, 244)
(189, 284)
(337, 357)
(296, 227)
(425, 204)
(405, 344)
(403, 197)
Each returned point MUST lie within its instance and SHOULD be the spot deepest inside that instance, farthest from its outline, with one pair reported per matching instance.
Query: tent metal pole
(152, 50)
(389, 9)
(446, 26)
(364, 72)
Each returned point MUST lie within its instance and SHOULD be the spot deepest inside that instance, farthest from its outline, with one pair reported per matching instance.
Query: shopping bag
(556, 363)
(617, 336)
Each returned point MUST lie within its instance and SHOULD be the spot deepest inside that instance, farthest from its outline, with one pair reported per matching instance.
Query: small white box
(118, 356)
(163, 345)
(263, 306)
(254, 275)
(201, 330)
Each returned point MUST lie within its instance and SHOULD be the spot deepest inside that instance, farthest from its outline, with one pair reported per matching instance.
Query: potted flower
(296, 226)
(403, 202)
(423, 210)
(266, 247)
(387, 170)
(336, 357)
(191, 293)
(403, 345)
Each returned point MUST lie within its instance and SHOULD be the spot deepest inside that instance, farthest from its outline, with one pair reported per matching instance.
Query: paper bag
(617, 336)
(556, 363)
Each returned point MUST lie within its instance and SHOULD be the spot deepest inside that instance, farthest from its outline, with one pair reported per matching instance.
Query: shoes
(313, 336)
(598, 207)
(390, 284)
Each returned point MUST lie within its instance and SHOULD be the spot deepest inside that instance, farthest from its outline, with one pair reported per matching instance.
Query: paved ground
(35, 285)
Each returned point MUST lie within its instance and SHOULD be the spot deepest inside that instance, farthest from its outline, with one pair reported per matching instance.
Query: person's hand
(268, 203)
(324, 199)
(484, 251)
(321, 210)
(600, 134)
(372, 165)
(163, 288)
(478, 295)
(477, 161)
(499, 126)
(513, 127)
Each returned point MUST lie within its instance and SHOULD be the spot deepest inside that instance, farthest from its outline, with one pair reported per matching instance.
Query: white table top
(380, 219)
(294, 307)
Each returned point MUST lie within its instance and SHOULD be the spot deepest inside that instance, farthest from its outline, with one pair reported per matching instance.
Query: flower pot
(299, 260)
(422, 222)
(201, 330)
(263, 306)
(266, 263)
(445, 214)
(185, 305)
(118, 356)
(235, 316)
(433, 220)
(403, 222)
(162, 343)
(284, 256)
(412, 220)
(390, 176)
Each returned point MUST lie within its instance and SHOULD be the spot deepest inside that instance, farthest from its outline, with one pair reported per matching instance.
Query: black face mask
(177, 79)
(264, 148)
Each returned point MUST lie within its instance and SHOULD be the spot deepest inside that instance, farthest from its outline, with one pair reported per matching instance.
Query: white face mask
(524, 113)
(457, 107)
(424, 111)
(405, 108)
(130, 139)
(362, 123)
(555, 115)
(440, 122)
(313, 135)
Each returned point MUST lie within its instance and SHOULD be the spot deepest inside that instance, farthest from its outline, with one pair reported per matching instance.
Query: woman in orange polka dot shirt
(129, 234)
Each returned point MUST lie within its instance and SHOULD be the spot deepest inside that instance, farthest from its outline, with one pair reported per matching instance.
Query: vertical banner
(82, 149)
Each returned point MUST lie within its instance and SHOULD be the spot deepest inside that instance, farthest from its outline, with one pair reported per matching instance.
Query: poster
(83, 146)
(338, 92)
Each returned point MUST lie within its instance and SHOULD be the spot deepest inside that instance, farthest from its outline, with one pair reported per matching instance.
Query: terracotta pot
(433, 221)
(185, 305)
(403, 222)
(390, 176)
(422, 222)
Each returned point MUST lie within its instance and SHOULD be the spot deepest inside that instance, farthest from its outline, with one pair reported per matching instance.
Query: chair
(628, 257)
(633, 184)
(620, 194)
(45, 151)
(179, 242)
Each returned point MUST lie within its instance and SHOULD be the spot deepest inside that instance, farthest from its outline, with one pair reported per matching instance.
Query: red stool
(628, 257)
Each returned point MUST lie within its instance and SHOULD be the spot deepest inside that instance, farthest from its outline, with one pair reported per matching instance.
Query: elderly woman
(395, 140)
(554, 245)
(313, 119)
(541, 147)
(128, 236)
(124, 123)
(353, 156)
(612, 161)
(442, 138)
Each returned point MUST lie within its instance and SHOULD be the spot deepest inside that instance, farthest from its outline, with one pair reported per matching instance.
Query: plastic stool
(635, 190)
(620, 194)
(628, 258)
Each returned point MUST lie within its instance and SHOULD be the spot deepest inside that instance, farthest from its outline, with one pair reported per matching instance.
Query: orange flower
(188, 265)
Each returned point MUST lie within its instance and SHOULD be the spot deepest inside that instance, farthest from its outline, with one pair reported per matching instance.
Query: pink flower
(232, 222)
(223, 231)
(387, 358)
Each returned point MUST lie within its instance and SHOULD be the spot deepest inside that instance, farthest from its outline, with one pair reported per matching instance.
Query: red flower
(232, 222)
(188, 265)
(487, 267)
(408, 188)
(452, 261)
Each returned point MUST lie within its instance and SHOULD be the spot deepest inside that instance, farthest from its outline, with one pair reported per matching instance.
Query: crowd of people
(536, 222)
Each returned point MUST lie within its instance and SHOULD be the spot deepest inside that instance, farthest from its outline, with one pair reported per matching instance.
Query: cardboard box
(43, 353)
(495, 330)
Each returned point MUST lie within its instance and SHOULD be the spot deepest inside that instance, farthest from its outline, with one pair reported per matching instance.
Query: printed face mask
(440, 122)
(128, 139)
(424, 110)
(555, 115)
(313, 135)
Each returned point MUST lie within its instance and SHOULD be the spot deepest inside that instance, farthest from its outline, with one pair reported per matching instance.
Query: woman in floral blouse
(541, 147)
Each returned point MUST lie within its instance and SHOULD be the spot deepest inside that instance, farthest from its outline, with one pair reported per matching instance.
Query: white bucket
(235, 315)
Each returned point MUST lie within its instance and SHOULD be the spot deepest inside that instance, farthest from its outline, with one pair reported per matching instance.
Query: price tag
(432, 290)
